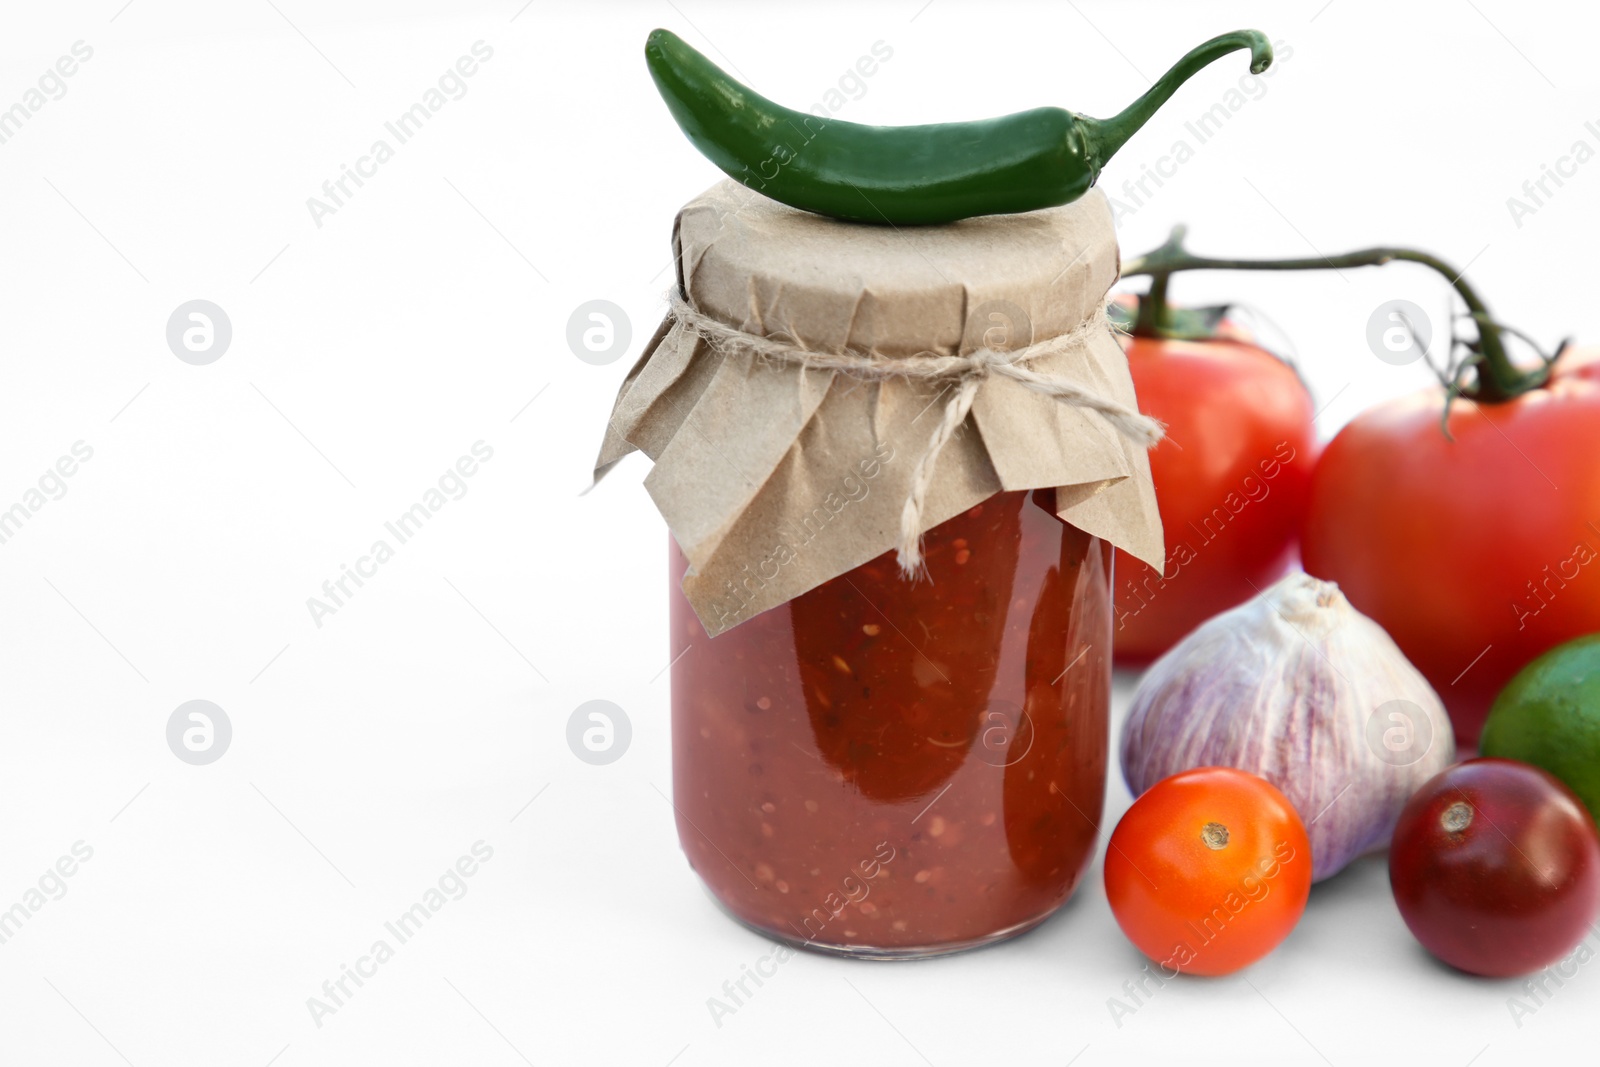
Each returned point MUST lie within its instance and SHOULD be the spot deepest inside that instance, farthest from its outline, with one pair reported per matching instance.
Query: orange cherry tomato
(1208, 871)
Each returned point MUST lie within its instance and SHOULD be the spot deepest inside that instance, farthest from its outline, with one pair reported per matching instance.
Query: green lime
(1549, 716)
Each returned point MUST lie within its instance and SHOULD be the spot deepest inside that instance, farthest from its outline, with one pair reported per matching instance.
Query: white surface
(370, 753)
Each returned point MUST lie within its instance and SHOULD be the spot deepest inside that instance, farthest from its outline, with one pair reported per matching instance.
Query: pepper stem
(1498, 379)
(1105, 136)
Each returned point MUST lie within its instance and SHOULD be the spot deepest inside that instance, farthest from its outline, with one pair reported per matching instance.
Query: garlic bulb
(1300, 688)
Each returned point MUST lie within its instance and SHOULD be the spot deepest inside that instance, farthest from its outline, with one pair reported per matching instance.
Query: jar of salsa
(876, 754)
(883, 768)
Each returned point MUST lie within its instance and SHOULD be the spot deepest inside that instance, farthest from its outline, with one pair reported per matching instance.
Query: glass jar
(887, 769)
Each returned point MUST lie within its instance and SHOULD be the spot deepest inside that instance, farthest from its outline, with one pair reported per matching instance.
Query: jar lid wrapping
(775, 476)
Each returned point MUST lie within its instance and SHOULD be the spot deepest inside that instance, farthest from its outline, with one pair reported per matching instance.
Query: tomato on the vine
(1208, 871)
(1231, 476)
(1475, 543)
(1479, 551)
(1231, 480)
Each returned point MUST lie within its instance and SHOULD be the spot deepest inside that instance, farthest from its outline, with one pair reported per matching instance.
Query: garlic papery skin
(1300, 688)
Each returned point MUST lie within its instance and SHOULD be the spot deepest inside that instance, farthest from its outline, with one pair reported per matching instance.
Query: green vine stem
(1154, 318)
(1498, 379)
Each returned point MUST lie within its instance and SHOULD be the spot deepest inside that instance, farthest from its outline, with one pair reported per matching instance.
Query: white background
(430, 313)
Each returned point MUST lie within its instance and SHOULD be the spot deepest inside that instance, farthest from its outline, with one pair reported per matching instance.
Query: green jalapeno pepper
(906, 174)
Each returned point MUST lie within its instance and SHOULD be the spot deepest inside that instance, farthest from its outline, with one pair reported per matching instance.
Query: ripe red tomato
(1477, 554)
(1208, 871)
(1231, 480)
(1495, 866)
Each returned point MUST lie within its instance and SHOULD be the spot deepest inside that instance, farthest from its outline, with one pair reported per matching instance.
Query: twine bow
(966, 372)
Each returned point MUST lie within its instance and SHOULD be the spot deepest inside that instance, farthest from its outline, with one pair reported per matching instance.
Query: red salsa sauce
(887, 768)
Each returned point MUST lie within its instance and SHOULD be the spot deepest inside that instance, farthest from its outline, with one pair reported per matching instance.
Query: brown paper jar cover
(775, 477)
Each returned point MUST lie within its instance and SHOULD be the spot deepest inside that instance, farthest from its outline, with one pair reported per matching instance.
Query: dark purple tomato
(1496, 867)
